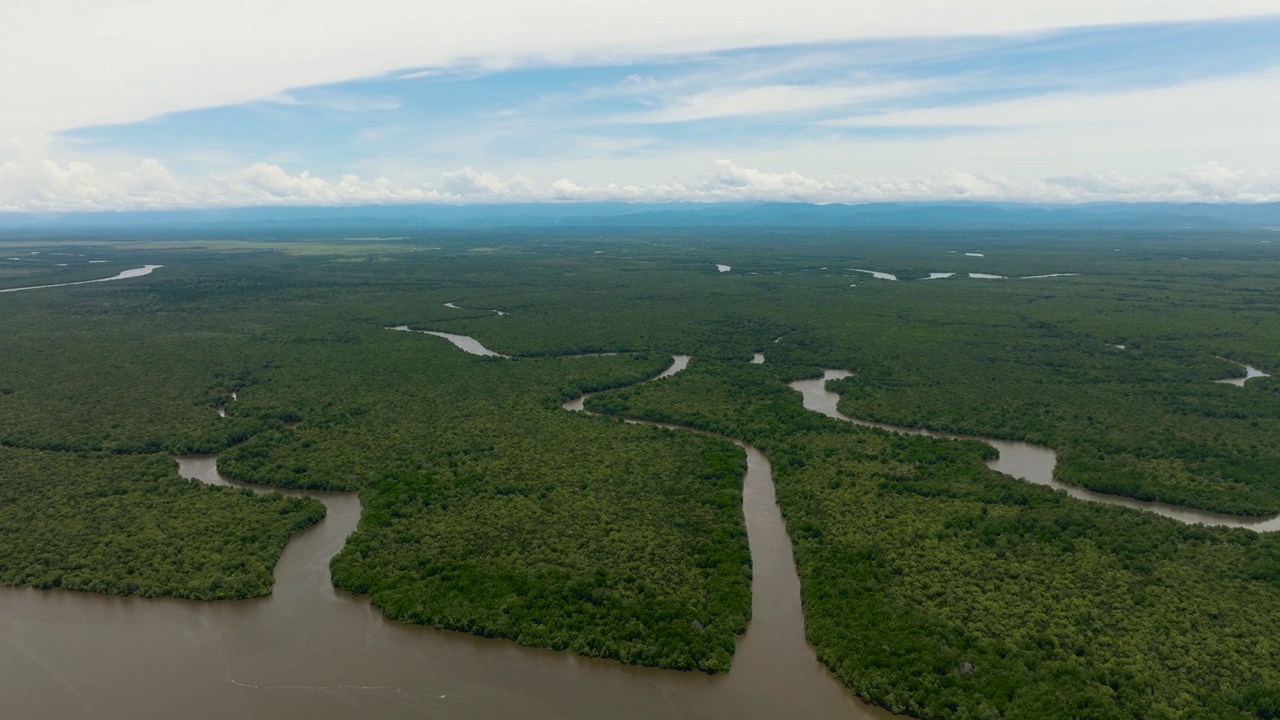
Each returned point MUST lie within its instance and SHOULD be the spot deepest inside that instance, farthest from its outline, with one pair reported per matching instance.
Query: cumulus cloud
(467, 182)
(33, 181)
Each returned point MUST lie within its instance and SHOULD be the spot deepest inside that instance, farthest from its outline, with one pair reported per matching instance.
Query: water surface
(876, 274)
(772, 660)
(125, 275)
(1250, 372)
(1032, 463)
(463, 342)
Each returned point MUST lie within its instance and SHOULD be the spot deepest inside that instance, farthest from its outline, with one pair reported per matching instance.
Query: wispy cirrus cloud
(771, 100)
(343, 102)
(116, 61)
(1210, 101)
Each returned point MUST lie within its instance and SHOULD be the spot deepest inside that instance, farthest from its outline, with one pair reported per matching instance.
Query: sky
(165, 104)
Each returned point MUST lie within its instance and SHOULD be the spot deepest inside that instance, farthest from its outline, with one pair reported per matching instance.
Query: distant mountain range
(399, 219)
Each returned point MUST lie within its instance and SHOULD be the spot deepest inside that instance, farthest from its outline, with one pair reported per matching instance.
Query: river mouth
(1032, 463)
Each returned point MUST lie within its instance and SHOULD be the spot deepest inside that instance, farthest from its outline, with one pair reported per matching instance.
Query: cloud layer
(86, 62)
(30, 181)
(623, 111)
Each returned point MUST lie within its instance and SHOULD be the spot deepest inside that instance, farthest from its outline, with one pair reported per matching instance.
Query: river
(773, 661)
(125, 275)
(1032, 463)
(1250, 372)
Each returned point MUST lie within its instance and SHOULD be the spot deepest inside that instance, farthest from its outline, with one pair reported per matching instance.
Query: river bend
(1032, 463)
(772, 662)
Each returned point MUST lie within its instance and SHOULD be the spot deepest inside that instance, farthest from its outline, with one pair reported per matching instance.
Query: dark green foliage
(129, 526)
(619, 563)
(937, 587)
(930, 583)
(489, 509)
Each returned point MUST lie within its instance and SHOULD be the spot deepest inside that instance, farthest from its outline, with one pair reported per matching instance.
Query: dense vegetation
(489, 509)
(127, 525)
(937, 587)
(931, 584)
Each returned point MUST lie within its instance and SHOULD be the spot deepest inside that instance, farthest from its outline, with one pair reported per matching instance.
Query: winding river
(1032, 463)
(773, 662)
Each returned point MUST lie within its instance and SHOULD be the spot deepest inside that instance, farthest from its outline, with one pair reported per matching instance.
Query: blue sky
(1138, 111)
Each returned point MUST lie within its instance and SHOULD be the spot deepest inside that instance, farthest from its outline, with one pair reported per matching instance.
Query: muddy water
(311, 651)
(1032, 463)
(773, 662)
(127, 274)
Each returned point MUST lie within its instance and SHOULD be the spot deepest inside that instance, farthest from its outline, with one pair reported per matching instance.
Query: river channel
(125, 275)
(1032, 463)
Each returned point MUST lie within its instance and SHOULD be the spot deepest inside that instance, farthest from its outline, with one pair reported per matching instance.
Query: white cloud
(30, 180)
(487, 187)
(1209, 182)
(72, 63)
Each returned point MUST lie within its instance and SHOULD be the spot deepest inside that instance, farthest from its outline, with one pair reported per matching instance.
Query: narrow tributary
(124, 275)
(1032, 463)
(773, 663)
(1250, 372)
